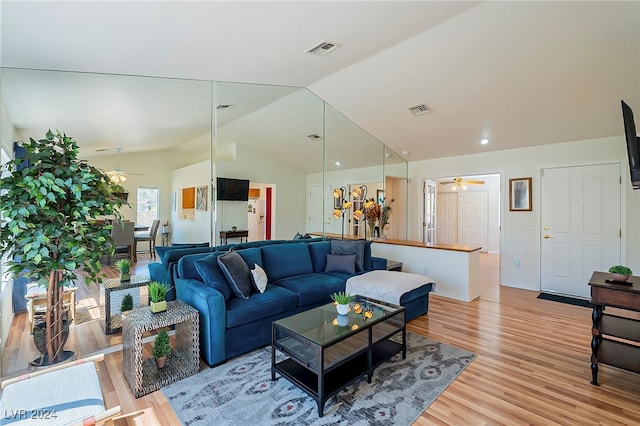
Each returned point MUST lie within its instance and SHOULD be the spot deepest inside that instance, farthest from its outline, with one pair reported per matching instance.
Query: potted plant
(234, 228)
(161, 348)
(342, 300)
(124, 266)
(127, 303)
(620, 273)
(51, 201)
(157, 294)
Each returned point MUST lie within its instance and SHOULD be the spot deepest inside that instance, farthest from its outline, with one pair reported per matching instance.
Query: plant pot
(161, 361)
(125, 277)
(158, 306)
(619, 277)
(342, 309)
(343, 320)
(40, 335)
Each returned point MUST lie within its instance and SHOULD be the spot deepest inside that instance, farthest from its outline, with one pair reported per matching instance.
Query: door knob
(547, 237)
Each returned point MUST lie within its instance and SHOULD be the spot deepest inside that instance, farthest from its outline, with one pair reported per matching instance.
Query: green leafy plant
(123, 266)
(161, 346)
(127, 303)
(620, 269)
(341, 298)
(157, 291)
(50, 202)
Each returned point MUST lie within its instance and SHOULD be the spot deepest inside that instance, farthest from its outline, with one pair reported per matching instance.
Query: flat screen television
(633, 144)
(232, 189)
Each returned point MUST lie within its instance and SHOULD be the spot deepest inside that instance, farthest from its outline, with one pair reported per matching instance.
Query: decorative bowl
(619, 277)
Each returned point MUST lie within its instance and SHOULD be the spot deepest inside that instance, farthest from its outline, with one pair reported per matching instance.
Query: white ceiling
(520, 73)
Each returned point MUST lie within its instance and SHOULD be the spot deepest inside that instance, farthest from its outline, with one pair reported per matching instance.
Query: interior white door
(580, 226)
(474, 207)
(319, 213)
(447, 218)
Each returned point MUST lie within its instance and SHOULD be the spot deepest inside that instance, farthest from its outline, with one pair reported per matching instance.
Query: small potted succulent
(124, 267)
(234, 228)
(157, 294)
(161, 348)
(620, 273)
(127, 303)
(342, 300)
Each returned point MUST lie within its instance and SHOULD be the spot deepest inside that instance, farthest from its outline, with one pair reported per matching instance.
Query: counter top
(438, 246)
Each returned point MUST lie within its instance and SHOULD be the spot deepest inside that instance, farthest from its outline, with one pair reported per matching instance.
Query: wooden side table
(142, 374)
(113, 323)
(225, 235)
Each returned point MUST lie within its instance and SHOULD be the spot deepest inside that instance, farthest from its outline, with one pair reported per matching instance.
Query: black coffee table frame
(324, 357)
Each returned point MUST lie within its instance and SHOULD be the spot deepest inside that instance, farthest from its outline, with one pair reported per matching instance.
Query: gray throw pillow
(350, 247)
(237, 273)
(341, 263)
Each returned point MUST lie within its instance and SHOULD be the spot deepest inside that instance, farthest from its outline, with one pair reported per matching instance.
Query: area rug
(565, 299)
(240, 391)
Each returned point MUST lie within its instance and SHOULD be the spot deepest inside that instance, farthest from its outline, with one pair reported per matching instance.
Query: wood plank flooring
(532, 365)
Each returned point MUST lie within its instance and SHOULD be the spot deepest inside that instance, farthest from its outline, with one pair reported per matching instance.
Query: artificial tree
(50, 201)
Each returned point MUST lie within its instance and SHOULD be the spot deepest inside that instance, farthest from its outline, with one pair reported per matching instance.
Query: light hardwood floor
(532, 365)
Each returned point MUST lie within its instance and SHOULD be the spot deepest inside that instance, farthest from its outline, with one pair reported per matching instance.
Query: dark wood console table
(233, 234)
(615, 338)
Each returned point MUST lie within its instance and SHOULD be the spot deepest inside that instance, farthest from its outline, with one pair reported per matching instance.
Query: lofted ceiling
(519, 73)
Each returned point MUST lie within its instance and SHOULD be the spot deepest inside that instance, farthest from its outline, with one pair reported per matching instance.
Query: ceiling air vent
(420, 109)
(223, 107)
(322, 48)
(314, 137)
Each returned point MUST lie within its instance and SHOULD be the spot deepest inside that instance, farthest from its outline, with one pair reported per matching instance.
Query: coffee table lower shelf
(339, 377)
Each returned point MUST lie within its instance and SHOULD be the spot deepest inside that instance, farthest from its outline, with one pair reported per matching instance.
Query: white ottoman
(400, 288)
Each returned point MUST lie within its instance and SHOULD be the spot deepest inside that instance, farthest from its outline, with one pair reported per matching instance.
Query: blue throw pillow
(237, 272)
(341, 263)
(350, 247)
(212, 276)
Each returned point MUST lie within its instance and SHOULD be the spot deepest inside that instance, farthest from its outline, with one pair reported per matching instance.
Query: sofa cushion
(350, 247)
(319, 251)
(212, 275)
(260, 305)
(312, 288)
(286, 260)
(341, 263)
(190, 245)
(259, 279)
(237, 272)
(251, 256)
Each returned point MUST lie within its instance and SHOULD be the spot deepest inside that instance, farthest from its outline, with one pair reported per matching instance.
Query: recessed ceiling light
(338, 163)
(484, 141)
(405, 153)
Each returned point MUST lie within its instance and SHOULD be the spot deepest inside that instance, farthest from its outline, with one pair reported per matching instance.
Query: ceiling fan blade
(447, 182)
(475, 182)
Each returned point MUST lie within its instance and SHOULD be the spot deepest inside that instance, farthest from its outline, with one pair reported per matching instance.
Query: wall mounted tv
(633, 145)
(232, 189)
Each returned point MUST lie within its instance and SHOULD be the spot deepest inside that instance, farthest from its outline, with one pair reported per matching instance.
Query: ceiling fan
(117, 175)
(461, 183)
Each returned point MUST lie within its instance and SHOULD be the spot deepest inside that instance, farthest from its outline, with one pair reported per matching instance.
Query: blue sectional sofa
(298, 279)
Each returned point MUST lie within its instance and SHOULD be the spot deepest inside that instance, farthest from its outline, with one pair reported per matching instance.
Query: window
(147, 206)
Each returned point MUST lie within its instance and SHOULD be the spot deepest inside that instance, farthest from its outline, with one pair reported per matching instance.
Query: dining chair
(123, 240)
(151, 237)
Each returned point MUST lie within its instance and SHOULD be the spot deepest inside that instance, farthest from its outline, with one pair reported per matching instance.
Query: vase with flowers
(385, 213)
(372, 214)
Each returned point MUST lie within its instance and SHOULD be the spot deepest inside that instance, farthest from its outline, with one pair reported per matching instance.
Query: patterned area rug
(241, 391)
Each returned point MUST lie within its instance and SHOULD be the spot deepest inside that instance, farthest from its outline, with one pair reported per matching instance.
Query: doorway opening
(465, 210)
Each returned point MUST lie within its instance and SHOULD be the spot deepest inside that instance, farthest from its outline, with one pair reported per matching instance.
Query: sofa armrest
(211, 305)
(158, 272)
(379, 263)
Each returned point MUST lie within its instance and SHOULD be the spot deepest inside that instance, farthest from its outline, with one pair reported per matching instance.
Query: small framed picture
(201, 198)
(520, 194)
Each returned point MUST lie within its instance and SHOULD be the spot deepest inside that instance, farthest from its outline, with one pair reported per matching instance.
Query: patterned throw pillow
(259, 278)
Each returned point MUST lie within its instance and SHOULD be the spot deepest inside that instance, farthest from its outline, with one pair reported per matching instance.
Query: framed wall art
(520, 195)
(201, 198)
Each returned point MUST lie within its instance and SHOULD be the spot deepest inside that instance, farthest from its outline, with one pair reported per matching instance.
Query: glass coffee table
(327, 352)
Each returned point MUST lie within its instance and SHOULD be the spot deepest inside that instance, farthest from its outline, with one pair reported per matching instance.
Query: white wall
(519, 243)
(198, 229)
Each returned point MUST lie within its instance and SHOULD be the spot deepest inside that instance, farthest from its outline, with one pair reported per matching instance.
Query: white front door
(580, 226)
(474, 208)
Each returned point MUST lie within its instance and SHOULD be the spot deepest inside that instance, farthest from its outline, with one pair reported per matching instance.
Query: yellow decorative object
(368, 313)
(357, 215)
(357, 308)
(337, 214)
(346, 205)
